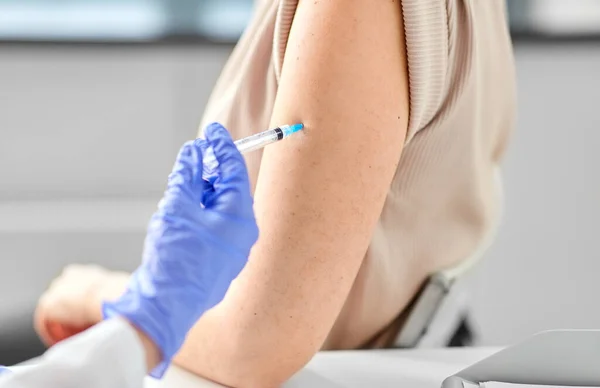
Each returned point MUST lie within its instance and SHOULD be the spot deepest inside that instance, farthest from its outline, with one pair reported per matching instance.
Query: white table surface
(354, 369)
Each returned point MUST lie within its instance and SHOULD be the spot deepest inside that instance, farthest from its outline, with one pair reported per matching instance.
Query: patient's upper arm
(320, 193)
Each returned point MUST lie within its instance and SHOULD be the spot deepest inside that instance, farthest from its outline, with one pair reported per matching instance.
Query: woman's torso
(443, 201)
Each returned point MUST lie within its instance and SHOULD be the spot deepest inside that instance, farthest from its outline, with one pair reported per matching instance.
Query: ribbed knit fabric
(443, 202)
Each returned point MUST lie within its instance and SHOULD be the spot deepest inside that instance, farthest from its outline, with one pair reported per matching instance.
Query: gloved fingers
(185, 183)
(210, 166)
(232, 185)
(188, 167)
(209, 195)
(3, 369)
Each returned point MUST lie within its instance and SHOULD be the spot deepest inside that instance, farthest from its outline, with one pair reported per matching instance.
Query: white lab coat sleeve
(109, 355)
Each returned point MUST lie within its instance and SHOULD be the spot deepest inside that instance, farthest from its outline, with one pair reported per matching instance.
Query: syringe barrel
(257, 141)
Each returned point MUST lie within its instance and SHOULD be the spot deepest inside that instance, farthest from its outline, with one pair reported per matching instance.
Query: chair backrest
(436, 290)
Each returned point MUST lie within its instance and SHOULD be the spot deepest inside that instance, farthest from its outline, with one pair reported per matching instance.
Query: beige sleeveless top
(442, 203)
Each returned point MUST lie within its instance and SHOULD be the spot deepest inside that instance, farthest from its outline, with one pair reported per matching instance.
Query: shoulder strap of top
(426, 29)
(283, 24)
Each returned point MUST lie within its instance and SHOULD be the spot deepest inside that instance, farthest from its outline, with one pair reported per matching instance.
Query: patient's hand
(73, 301)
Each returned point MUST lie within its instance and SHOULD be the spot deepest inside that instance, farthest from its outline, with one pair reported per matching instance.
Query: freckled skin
(318, 195)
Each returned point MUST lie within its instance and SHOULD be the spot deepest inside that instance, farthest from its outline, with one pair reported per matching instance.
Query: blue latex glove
(3, 369)
(197, 243)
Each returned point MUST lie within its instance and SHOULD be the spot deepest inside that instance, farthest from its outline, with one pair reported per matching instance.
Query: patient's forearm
(278, 313)
(241, 352)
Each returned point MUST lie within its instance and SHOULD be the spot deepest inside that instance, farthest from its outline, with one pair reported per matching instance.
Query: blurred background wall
(97, 96)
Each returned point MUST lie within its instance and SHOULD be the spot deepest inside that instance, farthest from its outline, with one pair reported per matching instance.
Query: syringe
(259, 140)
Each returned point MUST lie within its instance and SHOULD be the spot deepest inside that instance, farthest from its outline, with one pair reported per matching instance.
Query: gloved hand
(197, 243)
(3, 369)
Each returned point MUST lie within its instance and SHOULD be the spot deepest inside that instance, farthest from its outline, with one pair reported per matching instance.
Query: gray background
(542, 272)
(88, 135)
